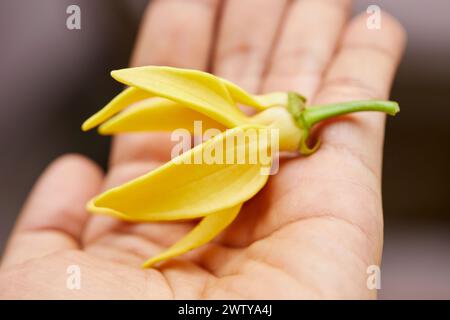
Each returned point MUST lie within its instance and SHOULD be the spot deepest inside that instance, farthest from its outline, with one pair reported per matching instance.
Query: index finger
(175, 33)
(363, 69)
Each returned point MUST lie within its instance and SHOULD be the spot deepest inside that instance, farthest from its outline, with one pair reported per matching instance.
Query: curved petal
(259, 102)
(191, 185)
(120, 102)
(157, 114)
(198, 90)
(269, 100)
(208, 228)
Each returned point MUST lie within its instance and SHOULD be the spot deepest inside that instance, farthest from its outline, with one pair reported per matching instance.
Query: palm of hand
(291, 240)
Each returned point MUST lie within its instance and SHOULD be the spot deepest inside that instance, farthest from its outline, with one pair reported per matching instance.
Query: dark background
(53, 78)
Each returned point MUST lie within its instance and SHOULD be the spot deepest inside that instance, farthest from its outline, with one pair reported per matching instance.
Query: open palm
(312, 232)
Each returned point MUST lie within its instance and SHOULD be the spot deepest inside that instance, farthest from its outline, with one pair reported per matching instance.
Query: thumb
(53, 217)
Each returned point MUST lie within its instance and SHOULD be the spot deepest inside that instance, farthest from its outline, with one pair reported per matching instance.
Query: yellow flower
(166, 99)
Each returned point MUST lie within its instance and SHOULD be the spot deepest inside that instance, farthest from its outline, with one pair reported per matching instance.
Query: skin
(311, 232)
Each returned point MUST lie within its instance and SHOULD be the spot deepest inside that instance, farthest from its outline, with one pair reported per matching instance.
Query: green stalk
(307, 117)
(315, 114)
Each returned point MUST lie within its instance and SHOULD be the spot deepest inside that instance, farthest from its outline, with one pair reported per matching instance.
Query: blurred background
(52, 79)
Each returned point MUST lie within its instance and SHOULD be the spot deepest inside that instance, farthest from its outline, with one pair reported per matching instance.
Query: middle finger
(306, 45)
(247, 31)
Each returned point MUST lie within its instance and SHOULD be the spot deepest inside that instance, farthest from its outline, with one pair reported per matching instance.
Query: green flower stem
(313, 115)
(307, 117)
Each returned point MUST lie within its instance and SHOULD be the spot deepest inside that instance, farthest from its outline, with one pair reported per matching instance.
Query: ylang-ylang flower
(167, 99)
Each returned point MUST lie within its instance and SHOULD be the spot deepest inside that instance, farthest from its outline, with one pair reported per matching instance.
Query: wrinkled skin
(311, 232)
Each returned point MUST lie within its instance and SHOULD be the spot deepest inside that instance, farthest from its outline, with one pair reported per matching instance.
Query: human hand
(310, 233)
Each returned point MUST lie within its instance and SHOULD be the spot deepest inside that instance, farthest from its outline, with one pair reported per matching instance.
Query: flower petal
(269, 100)
(208, 228)
(259, 102)
(198, 90)
(120, 102)
(157, 114)
(182, 189)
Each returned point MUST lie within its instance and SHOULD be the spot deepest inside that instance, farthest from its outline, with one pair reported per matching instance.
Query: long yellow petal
(179, 190)
(120, 102)
(260, 102)
(198, 90)
(208, 228)
(157, 114)
(269, 100)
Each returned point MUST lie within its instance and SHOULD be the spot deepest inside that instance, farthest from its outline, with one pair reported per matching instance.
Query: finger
(175, 33)
(307, 42)
(363, 69)
(246, 34)
(54, 215)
